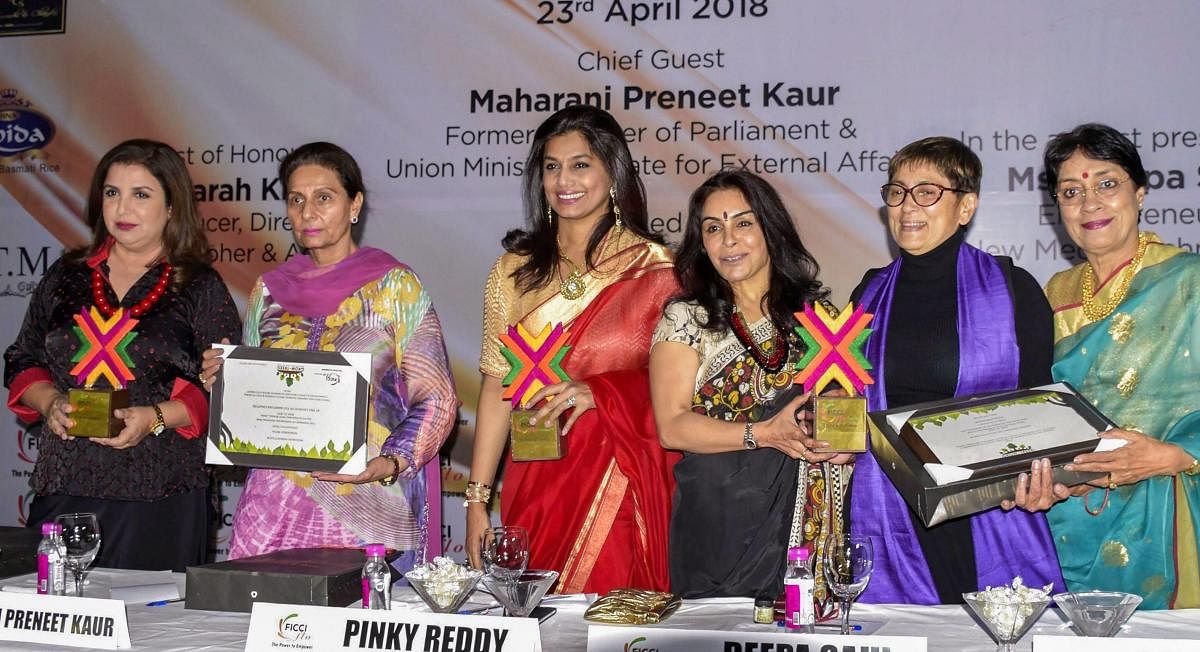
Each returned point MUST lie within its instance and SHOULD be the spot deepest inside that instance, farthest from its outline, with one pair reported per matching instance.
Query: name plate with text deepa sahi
(606, 638)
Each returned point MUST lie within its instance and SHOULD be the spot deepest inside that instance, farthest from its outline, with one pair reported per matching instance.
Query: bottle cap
(799, 553)
(376, 550)
(48, 528)
(764, 601)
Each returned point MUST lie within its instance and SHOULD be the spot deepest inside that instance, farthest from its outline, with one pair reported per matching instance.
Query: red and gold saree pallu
(600, 514)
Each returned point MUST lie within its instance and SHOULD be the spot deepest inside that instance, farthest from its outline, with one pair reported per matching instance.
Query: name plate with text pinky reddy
(293, 627)
(64, 621)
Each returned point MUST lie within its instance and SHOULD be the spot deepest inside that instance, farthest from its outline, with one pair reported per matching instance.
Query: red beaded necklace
(101, 301)
(779, 345)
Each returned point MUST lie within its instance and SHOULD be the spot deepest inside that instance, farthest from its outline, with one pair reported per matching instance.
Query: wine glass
(81, 536)
(848, 562)
(505, 552)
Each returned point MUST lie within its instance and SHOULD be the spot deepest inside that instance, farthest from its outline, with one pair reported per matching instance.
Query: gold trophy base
(93, 412)
(841, 421)
(535, 442)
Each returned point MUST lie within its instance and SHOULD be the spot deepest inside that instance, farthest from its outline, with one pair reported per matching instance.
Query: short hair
(185, 245)
(606, 139)
(332, 158)
(950, 156)
(794, 271)
(1097, 141)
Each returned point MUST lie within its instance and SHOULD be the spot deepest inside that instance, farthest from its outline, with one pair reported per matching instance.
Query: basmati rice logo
(633, 646)
(21, 128)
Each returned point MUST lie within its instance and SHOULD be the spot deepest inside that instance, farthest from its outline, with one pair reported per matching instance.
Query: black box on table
(329, 577)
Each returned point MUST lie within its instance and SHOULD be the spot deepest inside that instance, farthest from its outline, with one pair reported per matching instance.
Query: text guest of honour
(659, 60)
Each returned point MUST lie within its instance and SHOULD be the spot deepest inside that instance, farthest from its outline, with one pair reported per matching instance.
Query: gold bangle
(477, 492)
(1194, 469)
(391, 479)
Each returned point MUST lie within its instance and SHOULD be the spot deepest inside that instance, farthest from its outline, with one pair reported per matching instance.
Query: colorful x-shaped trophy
(834, 341)
(102, 355)
(535, 361)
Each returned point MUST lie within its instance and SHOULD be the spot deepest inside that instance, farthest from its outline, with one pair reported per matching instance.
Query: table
(172, 628)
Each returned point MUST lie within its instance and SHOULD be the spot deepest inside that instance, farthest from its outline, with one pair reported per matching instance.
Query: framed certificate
(958, 457)
(290, 409)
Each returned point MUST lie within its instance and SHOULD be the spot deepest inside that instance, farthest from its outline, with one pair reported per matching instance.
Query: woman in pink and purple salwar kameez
(341, 297)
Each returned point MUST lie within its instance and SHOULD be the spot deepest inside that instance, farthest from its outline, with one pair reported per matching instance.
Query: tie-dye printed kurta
(412, 411)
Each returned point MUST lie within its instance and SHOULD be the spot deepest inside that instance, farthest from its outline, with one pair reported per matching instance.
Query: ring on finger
(571, 401)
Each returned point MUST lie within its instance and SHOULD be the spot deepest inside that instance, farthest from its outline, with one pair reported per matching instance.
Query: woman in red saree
(588, 262)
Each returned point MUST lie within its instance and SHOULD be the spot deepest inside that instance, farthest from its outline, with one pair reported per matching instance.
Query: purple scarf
(1006, 543)
(302, 288)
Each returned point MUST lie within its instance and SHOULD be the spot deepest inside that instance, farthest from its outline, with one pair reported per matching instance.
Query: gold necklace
(572, 287)
(1096, 312)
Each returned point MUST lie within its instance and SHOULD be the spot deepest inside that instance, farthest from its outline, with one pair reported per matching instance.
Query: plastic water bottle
(376, 579)
(51, 561)
(798, 588)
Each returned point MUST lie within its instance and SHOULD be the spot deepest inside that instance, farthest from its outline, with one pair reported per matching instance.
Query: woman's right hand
(1037, 491)
(788, 433)
(56, 416)
(210, 365)
(478, 522)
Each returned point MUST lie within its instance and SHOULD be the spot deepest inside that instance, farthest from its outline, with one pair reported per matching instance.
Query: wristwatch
(159, 425)
(748, 437)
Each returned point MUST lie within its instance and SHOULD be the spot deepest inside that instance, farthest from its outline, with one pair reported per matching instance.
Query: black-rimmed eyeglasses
(924, 194)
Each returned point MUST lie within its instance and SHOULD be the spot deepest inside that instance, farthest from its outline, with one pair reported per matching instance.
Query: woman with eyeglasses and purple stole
(950, 320)
(1126, 336)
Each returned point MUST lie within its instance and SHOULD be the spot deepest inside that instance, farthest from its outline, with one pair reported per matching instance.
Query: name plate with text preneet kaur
(961, 456)
(290, 409)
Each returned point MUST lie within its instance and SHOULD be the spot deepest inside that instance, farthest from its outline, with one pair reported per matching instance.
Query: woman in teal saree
(1127, 336)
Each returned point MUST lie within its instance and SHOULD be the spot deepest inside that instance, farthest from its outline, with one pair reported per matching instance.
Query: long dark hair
(793, 279)
(185, 245)
(337, 160)
(539, 240)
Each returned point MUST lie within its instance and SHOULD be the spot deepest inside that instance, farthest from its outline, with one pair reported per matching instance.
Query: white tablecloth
(948, 628)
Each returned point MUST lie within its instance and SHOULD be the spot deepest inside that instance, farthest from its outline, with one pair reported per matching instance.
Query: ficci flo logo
(23, 501)
(633, 646)
(26, 446)
(291, 628)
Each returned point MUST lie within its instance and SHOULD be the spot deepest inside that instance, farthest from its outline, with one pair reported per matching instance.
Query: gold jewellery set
(573, 286)
(1095, 311)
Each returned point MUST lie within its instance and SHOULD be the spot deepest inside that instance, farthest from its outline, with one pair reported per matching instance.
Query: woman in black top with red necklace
(752, 481)
(145, 282)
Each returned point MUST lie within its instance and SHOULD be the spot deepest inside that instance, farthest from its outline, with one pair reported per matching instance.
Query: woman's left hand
(377, 469)
(137, 427)
(572, 395)
(804, 419)
(1142, 457)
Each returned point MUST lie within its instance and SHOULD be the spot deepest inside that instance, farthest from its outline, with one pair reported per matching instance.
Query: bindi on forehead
(1085, 175)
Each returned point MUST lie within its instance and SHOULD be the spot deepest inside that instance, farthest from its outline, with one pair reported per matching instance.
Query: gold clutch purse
(633, 607)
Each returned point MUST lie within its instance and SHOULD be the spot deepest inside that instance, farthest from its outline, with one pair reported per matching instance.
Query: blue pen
(160, 603)
(853, 628)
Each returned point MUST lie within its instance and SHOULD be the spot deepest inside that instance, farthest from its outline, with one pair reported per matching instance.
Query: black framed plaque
(290, 409)
(960, 456)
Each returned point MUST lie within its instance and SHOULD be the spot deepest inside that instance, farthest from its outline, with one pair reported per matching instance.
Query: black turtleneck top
(921, 364)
